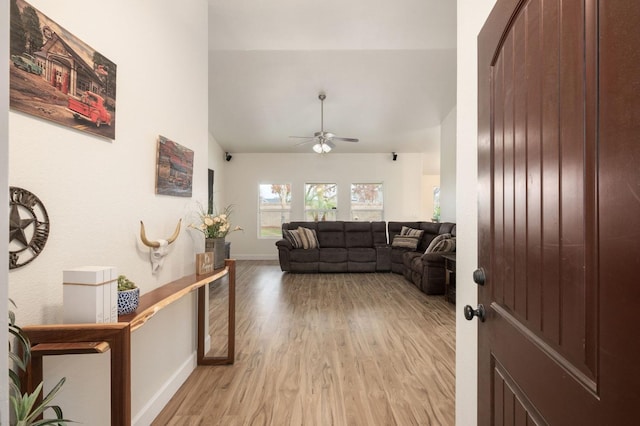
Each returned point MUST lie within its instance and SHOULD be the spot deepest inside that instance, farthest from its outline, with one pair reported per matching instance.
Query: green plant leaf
(59, 421)
(47, 399)
(24, 405)
(15, 378)
(23, 341)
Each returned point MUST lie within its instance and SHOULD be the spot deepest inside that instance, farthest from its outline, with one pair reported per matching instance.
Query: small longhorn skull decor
(159, 248)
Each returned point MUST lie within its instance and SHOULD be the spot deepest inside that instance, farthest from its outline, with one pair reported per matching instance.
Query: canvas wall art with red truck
(55, 76)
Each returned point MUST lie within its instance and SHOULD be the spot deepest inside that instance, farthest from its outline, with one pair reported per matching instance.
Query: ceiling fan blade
(335, 138)
(309, 140)
(323, 139)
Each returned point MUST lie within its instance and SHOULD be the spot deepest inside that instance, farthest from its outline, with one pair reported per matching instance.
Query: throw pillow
(411, 232)
(405, 242)
(309, 238)
(435, 241)
(445, 245)
(293, 236)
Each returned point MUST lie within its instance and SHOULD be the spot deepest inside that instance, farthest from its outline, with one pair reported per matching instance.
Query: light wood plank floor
(325, 349)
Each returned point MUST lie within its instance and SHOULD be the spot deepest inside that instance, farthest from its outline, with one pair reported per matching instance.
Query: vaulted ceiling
(388, 69)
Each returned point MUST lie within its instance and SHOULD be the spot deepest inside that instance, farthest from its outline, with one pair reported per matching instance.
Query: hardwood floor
(325, 349)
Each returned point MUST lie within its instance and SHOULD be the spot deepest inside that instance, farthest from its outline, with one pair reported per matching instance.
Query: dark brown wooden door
(559, 213)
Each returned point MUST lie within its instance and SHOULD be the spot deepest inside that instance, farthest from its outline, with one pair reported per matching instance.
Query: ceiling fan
(324, 140)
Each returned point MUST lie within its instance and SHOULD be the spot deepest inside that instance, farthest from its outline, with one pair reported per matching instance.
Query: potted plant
(128, 295)
(26, 408)
(215, 226)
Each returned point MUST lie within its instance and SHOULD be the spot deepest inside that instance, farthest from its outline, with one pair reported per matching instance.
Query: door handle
(479, 276)
(469, 312)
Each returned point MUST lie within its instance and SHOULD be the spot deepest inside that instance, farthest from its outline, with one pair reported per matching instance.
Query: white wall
(217, 163)
(4, 195)
(96, 190)
(402, 179)
(448, 168)
(471, 16)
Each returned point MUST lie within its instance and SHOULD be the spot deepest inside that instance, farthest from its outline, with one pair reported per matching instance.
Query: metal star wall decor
(28, 227)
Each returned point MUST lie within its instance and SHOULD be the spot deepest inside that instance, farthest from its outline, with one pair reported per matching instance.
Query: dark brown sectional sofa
(344, 247)
(368, 247)
(425, 270)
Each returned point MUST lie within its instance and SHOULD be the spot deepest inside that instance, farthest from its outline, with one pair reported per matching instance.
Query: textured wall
(471, 17)
(448, 145)
(97, 190)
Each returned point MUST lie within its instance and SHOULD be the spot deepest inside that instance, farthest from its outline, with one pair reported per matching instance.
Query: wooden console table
(67, 339)
(450, 277)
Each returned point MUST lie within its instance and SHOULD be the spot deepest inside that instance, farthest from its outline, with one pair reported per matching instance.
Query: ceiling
(388, 69)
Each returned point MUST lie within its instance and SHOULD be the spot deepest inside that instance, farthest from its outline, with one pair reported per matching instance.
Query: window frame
(283, 211)
(332, 211)
(353, 211)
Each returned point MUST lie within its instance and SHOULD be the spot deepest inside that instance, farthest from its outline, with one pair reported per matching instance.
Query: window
(274, 209)
(436, 204)
(320, 201)
(367, 202)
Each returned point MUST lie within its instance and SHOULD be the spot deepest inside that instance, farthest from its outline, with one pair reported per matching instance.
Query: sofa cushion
(358, 234)
(308, 237)
(300, 255)
(333, 255)
(436, 241)
(362, 255)
(405, 242)
(331, 234)
(431, 230)
(397, 253)
(293, 236)
(379, 231)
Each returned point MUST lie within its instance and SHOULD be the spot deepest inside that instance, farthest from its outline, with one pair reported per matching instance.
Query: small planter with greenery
(128, 296)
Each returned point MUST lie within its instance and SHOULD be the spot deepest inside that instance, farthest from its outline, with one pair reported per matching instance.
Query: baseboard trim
(255, 257)
(160, 399)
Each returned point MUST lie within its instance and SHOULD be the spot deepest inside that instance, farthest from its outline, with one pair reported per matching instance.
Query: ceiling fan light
(322, 147)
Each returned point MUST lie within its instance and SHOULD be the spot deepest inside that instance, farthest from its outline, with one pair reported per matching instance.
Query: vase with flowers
(215, 226)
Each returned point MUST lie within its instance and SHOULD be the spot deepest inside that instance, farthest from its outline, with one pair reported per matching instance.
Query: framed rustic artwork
(56, 76)
(174, 169)
(210, 191)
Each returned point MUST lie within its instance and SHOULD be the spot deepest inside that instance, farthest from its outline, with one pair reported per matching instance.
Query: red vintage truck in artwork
(90, 107)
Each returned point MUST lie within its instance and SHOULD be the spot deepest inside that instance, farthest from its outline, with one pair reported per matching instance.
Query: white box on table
(84, 291)
(110, 294)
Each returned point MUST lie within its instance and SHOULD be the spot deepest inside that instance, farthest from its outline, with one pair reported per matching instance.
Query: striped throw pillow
(411, 232)
(436, 241)
(445, 245)
(293, 237)
(405, 242)
(309, 238)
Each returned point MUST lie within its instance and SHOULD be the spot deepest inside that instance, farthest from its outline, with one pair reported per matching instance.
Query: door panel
(550, 171)
(543, 353)
(552, 240)
(511, 406)
(619, 203)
